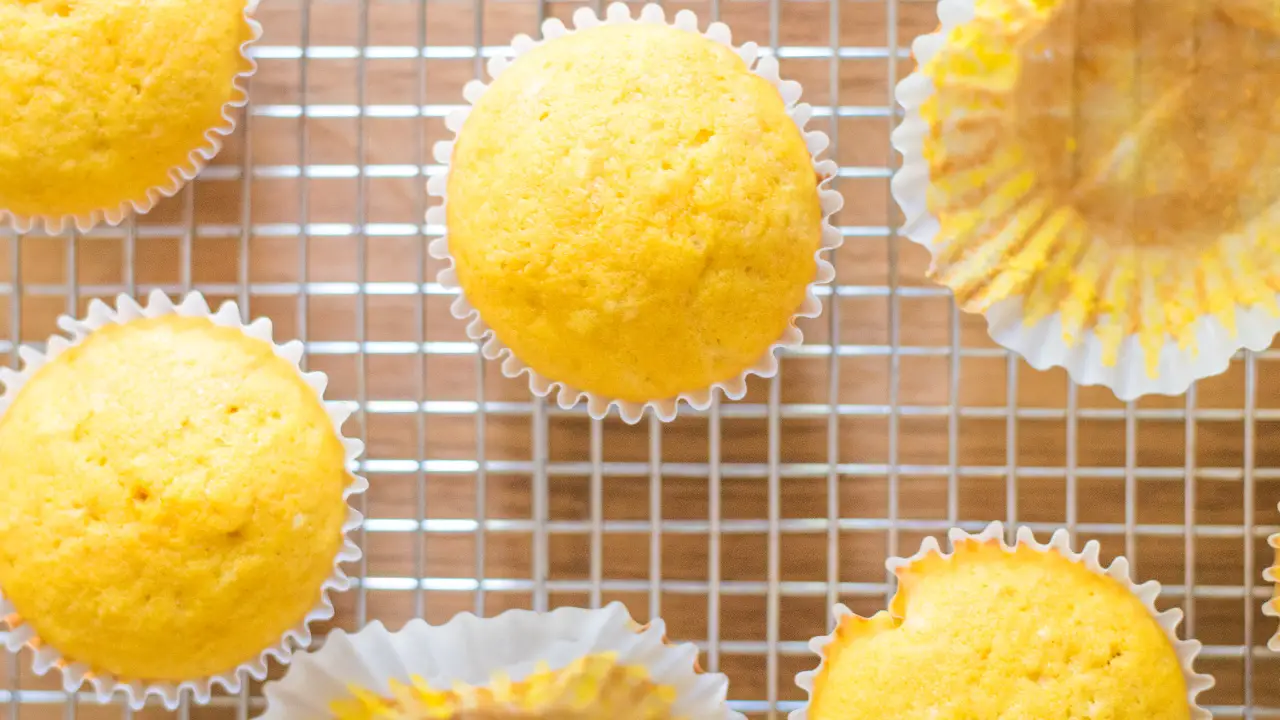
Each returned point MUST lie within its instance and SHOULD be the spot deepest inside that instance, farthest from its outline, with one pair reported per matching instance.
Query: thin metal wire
(1130, 485)
(186, 270)
(541, 530)
(773, 612)
(186, 244)
(953, 417)
(598, 482)
(129, 275)
(833, 332)
(895, 306)
(1011, 445)
(362, 298)
(1072, 471)
(482, 420)
(657, 469)
(1189, 516)
(482, 491)
(304, 187)
(541, 490)
(773, 603)
(714, 533)
(420, 318)
(655, 516)
(714, 509)
(73, 303)
(597, 511)
(246, 214)
(1250, 542)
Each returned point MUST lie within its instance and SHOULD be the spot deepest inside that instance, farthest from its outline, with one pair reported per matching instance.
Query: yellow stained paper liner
(568, 663)
(1115, 164)
(596, 687)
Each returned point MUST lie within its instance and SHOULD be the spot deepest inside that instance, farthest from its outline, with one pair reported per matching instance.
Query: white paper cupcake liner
(1060, 542)
(179, 175)
(472, 651)
(766, 66)
(1043, 344)
(136, 692)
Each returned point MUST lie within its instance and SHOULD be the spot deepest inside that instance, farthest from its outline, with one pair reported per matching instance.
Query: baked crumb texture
(173, 499)
(101, 99)
(999, 635)
(1117, 162)
(632, 211)
(595, 687)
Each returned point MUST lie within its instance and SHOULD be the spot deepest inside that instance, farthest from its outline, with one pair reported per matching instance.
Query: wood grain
(987, 417)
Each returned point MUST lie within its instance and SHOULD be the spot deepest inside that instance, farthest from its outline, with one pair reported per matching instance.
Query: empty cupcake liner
(1060, 542)
(1087, 357)
(179, 176)
(136, 692)
(476, 651)
(766, 66)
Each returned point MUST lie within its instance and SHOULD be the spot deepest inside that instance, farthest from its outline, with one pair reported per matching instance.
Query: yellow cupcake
(104, 102)
(1114, 168)
(1271, 608)
(1007, 634)
(633, 213)
(595, 687)
(173, 500)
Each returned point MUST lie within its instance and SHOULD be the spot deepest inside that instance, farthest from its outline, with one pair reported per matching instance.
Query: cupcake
(175, 500)
(1102, 181)
(1272, 575)
(1022, 631)
(106, 106)
(634, 213)
(569, 664)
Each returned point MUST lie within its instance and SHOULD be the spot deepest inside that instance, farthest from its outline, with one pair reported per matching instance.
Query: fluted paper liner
(765, 66)
(1104, 354)
(474, 651)
(1060, 542)
(589, 688)
(1272, 607)
(136, 692)
(180, 175)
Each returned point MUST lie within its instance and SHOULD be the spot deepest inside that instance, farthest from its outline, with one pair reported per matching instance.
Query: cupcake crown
(931, 558)
(764, 66)
(204, 148)
(136, 691)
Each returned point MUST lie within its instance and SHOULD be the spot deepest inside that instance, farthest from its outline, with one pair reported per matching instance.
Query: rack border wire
(660, 463)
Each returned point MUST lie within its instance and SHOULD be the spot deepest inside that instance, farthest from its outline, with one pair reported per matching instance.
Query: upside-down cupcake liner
(479, 652)
(1060, 543)
(1104, 353)
(765, 66)
(136, 692)
(180, 175)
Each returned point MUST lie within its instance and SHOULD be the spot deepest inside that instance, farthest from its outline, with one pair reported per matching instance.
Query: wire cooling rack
(741, 526)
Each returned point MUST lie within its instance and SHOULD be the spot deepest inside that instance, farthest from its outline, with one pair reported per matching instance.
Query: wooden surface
(935, 401)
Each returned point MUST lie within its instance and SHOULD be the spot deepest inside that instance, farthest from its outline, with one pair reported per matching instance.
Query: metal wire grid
(659, 459)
